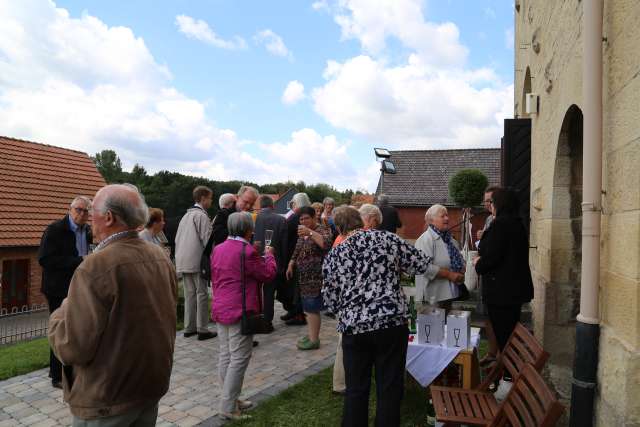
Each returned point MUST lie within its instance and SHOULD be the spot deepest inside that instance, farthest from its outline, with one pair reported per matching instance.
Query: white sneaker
(244, 404)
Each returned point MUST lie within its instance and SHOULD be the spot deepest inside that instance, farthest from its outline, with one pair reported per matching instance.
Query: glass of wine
(268, 235)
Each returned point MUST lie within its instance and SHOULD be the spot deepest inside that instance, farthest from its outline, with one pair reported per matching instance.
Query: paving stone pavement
(192, 399)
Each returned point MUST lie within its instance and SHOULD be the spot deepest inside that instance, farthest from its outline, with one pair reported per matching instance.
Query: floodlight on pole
(382, 153)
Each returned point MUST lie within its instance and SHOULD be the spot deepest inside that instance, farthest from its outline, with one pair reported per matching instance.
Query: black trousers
(386, 350)
(55, 367)
(503, 319)
(268, 299)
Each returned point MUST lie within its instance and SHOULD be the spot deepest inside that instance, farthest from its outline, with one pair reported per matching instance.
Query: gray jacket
(428, 284)
(191, 238)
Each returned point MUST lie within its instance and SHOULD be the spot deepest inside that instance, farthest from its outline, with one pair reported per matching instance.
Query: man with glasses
(64, 245)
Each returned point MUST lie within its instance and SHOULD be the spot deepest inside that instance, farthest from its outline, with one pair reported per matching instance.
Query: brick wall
(35, 271)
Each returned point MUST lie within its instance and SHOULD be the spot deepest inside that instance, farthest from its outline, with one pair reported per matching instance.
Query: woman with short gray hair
(439, 283)
(228, 261)
(371, 216)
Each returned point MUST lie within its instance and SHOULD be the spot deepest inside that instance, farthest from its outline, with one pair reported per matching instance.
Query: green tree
(109, 165)
(466, 187)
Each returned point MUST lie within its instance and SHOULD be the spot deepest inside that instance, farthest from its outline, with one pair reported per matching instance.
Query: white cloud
(373, 21)
(273, 43)
(78, 83)
(413, 106)
(509, 39)
(199, 30)
(293, 93)
(320, 5)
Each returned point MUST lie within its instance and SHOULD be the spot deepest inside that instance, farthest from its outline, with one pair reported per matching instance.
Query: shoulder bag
(250, 323)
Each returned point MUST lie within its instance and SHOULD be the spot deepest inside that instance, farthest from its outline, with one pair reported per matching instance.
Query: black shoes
(206, 335)
(256, 343)
(290, 315)
(56, 384)
(296, 320)
(189, 334)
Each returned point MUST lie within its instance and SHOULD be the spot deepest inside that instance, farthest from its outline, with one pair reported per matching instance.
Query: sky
(262, 91)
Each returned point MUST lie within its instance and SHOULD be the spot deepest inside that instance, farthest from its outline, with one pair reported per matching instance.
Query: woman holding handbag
(446, 273)
(237, 271)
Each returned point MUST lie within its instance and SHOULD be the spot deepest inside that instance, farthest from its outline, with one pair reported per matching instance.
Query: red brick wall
(35, 271)
(413, 222)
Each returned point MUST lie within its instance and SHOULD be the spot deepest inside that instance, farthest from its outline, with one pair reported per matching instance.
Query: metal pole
(588, 321)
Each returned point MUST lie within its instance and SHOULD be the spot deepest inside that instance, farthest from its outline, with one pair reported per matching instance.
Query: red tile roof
(37, 183)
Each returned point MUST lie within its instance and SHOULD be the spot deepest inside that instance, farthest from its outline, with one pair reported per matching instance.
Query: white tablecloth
(426, 361)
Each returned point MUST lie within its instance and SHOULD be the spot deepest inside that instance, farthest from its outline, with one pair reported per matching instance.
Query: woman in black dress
(504, 265)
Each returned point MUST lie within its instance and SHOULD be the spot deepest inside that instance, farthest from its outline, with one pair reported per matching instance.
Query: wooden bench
(529, 403)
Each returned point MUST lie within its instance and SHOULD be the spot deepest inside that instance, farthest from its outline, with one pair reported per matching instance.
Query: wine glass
(268, 235)
(456, 335)
(427, 331)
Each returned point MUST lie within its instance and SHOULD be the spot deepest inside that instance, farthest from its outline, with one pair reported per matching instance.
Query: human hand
(303, 231)
(289, 272)
(269, 250)
(456, 277)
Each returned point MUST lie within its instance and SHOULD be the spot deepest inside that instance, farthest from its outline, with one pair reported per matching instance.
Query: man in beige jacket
(115, 332)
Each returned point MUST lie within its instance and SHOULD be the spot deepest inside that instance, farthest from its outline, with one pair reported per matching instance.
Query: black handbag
(250, 323)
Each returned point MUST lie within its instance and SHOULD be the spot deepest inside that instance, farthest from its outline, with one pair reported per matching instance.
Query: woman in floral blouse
(314, 240)
(362, 286)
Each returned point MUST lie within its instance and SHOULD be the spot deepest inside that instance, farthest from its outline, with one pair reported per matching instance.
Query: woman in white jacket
(448, 266)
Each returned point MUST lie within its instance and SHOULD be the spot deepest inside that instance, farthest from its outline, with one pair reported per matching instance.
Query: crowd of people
(343, 261)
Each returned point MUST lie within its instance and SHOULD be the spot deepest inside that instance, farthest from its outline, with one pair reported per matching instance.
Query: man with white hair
(115, 332)
(64, 245)
(247, 197)
(219, 232)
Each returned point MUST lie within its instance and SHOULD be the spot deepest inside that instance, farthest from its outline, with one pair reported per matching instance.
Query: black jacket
(58, 257)
(504, 262)
(220, 232)
(267, 219)
(390, 219)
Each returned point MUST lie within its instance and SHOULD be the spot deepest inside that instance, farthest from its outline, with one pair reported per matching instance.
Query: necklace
(114, 237)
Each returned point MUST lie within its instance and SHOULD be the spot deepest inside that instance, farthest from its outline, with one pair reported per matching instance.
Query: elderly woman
(153, 230)
(362, 286)
(314, 241)
(440, 281)
(227, 282)
(371, 216)
(504, 265)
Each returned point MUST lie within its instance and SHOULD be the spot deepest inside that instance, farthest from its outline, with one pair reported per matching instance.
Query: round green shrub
(466, 187)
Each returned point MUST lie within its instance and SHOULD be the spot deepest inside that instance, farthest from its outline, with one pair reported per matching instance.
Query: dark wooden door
(516, 162)
(15, 283)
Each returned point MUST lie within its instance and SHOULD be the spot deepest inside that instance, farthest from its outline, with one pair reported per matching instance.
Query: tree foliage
(466, 187)
(171, 191)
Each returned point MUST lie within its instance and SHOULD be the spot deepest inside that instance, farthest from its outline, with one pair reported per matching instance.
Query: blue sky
(194, 86)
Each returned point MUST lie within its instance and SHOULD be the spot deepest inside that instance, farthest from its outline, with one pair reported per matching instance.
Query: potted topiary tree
(466, 188)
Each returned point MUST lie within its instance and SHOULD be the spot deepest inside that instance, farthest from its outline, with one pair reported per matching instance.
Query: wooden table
(468, 359)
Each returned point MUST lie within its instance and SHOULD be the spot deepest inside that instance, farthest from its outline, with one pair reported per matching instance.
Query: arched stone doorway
(563, 294)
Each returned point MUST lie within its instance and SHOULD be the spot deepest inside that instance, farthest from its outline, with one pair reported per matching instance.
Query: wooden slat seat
(522, 349)
(529, 403)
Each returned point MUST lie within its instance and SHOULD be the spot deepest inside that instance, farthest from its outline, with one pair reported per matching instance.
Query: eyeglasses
(82, 211)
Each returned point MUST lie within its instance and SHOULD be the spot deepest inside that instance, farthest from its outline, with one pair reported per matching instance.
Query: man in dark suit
(219, 232)
(267, 219)
(64, 245)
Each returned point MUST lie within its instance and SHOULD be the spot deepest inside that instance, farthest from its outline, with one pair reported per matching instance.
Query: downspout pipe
(585, 367)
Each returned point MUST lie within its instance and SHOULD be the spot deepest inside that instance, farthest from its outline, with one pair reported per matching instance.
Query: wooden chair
(529, 403)
(479, 404)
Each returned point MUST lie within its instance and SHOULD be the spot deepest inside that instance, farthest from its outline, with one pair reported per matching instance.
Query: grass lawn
(311, 403)
(24, 357)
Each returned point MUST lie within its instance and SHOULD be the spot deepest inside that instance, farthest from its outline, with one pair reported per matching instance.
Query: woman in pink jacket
(226, 309)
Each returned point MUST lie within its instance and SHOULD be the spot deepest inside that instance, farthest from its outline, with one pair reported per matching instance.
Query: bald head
(118, 207)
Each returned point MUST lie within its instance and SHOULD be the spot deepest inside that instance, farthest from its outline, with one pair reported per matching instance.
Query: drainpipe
(585, 366)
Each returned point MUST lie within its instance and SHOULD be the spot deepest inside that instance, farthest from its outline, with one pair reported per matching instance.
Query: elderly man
(268, 220)
(220, 232)
(64, 245)
(247, 197)
(192, 238)
(115, 332)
